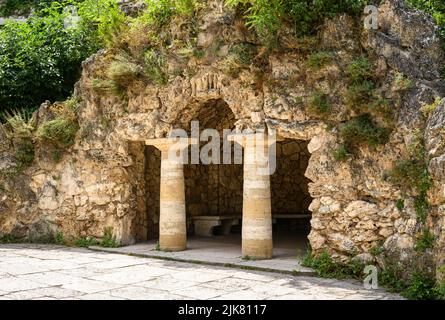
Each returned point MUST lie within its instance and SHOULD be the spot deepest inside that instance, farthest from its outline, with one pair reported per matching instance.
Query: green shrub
(267, 16)
(186, 7)
(240, 55)
(427, 109)
(106, 86)
(341, 153)
(59, 238)
(359, 95)
(383, 108)
(434, 7)
(108, 239)
(159, 12)
(402, 83)
(85, 242)
(391, 278)
(400, 204)
(421, 286)
(243, 53)
(426, 240)
(362, 130)
(24, 153)
(20, 127)
(318, 60)
(40, 59)
(326, 267)
(155, 67)
(377, 250)
(319, 104)
(123, 72)
(60, 132)
(359, 70)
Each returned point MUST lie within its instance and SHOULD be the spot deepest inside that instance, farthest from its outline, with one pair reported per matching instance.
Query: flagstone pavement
(32, 271)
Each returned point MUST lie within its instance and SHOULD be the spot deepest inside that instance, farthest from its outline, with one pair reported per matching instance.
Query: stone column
(172, 220)
(257, 208)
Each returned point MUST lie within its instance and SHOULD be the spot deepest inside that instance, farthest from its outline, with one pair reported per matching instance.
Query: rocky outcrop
(101, 181)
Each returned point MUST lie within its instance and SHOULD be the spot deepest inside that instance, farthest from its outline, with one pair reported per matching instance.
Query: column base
(172, 243)
(257, 249)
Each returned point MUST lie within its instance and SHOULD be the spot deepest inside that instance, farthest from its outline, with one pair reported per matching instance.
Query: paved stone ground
(225, 250)
(54, 272)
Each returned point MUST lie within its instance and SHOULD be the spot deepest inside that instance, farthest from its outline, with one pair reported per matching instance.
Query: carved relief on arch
(208, 84)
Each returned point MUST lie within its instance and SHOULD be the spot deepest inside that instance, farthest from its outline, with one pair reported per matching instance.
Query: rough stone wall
(98, 182)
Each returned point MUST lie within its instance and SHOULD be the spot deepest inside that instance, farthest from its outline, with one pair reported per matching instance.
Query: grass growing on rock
(425, 241)
(341, 153)
(108, 239)
(59, 131)
(123, 72)
(155, 67)
(85, 242)
(358, 70)
(326, 267)
(363, 130)
(318, 60)
(240, 55)
(319, 105)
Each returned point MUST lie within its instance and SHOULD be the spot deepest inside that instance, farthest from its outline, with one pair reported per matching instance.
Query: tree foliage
(40, 59)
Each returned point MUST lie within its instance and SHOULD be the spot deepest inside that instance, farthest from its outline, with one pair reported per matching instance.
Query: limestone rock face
(106, 178)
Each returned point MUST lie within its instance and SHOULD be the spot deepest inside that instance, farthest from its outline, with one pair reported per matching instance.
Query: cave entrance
(228, 205)
(290, 196)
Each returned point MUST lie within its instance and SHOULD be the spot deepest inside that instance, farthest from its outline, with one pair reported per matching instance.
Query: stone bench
(204, 224)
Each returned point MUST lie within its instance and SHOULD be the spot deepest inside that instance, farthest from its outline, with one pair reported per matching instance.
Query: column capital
(164, 144)
(254, 139)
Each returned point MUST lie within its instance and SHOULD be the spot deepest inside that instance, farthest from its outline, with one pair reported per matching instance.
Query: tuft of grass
(377, 250)
(240, 55)
(402, 83)
(319, 104)
(243, 53)
(106, 86)
(59, 238)
(326, 267)
(358, 70)
(19, 124)
(421, 286)
(341, 153)
(362, 130)
(108, 239)
(123, 72)
(382, 107)
(359, 95)
(391, 278)
(59, 131)
(19, 127)
(425, 241)
(318, 60)
(400, 204)
(24, 153)
(85, 242)
(155, 67)
(427, 109)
